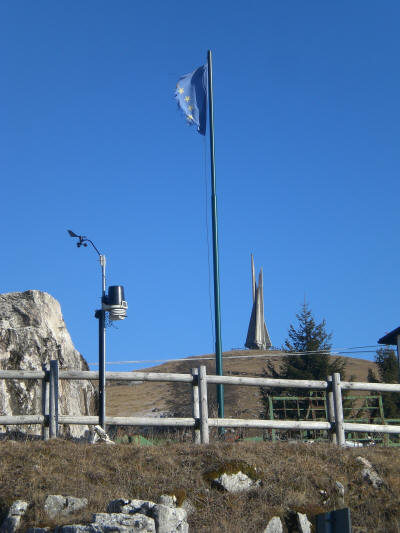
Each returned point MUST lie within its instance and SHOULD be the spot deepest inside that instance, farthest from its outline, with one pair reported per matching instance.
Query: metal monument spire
(257, 334)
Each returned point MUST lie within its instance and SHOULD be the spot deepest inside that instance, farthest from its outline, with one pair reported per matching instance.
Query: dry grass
(240, 402)
(292, 476)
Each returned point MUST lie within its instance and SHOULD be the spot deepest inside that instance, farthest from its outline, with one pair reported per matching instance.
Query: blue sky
(307, 122)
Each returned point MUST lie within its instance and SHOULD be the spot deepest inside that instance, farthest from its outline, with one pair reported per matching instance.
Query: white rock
(57, 505)
(303, 523)
(340, 492)
(14, 515)
(274, 525)
(130, 506)
(369, 473)
(235, 482)
(123, 522)
(353, 444)
(169, 520)
(102, 435)
(168, 500)
(32, 332)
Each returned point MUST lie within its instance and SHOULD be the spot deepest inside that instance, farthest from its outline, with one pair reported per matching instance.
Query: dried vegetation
(295, 476)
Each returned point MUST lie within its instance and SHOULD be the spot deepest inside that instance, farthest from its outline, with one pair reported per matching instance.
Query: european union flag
(191, 95)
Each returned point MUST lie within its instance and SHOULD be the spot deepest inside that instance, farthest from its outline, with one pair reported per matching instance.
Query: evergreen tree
(307, 357)
(386, 362)
(308, 351)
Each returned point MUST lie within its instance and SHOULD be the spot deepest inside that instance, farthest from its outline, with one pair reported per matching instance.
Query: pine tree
(308, 351)
(307, 357)
(386, 362)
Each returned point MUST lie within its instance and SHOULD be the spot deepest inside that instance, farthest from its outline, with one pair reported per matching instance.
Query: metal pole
(331, 409)
(218, 342)
(398, 358)
(101, 315)
(196, 405)
(45, 401)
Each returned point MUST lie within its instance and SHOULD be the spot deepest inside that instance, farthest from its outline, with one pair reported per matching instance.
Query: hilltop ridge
(240, 402)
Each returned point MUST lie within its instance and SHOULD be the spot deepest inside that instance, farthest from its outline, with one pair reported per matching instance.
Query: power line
(250, 356)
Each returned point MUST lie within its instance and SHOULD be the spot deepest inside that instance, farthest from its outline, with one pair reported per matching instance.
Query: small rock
(123, 522)
(130, 506)
(274, 525)
(14, 515)
(369, 473)
(169, 520)
(103, 437)
(57, 505)
(168, 500)
(340, 492)
(235, 482)
(303, 523)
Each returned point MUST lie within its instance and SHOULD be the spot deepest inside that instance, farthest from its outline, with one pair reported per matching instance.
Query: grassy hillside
(292, 475)
(240, 402)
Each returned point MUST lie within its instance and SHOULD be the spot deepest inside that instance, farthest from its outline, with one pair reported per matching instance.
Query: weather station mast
(115, 305)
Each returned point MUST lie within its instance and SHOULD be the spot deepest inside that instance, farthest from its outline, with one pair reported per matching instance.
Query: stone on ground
(57, 505)
(274, 525)
(369, 473)
(238, 482)
(303, 523)
(12, 521)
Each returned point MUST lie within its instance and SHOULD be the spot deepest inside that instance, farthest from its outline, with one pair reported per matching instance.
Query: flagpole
(218, 342)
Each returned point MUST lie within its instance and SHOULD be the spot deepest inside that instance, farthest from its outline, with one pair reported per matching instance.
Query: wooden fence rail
(50, 419)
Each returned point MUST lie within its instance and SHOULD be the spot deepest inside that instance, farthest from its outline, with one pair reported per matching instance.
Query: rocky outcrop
(116, 523)
(58, 505)
(32, 332)
(167, 518)
(13, 519)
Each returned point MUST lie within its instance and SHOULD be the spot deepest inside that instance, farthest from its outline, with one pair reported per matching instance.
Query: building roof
(390, 338)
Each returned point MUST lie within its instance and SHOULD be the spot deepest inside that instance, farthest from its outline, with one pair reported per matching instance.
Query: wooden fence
(50, 419)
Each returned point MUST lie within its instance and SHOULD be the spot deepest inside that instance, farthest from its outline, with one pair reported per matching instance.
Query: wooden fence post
(204, 430)
(45, 402)
(53, 399)
(196, 405)
(331, 410)
(337, 400)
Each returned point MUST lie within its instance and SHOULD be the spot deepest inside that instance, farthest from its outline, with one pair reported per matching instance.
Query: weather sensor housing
(115, 303)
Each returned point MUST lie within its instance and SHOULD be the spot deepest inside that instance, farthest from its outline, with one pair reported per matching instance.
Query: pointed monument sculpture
(257, 334)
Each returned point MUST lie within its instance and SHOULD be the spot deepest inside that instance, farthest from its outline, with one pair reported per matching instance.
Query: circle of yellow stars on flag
(189, 115)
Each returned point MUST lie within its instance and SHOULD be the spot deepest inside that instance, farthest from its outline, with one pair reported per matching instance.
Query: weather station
(115, 305)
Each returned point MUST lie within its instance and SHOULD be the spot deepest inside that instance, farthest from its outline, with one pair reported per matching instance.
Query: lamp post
(116, 306)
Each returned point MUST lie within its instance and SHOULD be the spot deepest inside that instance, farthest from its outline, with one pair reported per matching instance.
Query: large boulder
(32, 332)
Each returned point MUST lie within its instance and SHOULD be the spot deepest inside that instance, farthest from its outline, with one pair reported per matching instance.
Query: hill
(297, 477)
(240, 402)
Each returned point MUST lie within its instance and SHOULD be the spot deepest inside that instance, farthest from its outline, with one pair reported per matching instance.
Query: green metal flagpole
(218, 342)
